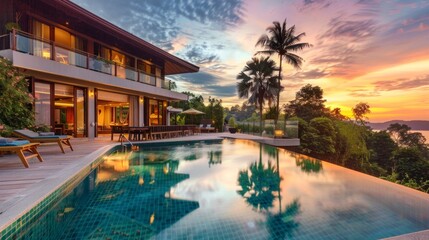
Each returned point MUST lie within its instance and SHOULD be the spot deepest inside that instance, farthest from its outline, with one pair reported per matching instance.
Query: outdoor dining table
(138, 133)
(135, 133)
(121, 129)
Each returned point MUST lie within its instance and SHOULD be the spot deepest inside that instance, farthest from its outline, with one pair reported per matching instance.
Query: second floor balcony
(29, 44)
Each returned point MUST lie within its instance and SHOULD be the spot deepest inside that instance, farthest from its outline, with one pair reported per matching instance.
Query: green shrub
(232, 122)
(16, 102)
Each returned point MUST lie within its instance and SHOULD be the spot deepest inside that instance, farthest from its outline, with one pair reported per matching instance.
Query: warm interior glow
(62, 104)
(46, 54)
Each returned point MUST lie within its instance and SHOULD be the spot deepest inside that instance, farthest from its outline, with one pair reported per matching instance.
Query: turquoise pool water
(229, 189)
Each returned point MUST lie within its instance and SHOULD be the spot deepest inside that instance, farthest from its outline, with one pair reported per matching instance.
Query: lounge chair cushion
(28, 133)
(15, 143)
(209, 126)
(5, 140)
(50, 137)
(31, 134)
(46, 134)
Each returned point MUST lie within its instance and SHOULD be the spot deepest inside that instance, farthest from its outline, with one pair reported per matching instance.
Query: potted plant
(12, 25)
(232, 125)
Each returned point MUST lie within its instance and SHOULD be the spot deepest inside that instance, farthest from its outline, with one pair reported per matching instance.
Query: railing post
(87, 60)
(13, 39)
(53, 51)
(116, 71)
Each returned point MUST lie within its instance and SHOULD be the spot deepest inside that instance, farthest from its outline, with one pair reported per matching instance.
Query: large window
(101, 61)
(65, 46)
(101, 51)
(113, 109)
(42, 103)
(156, 110)
(80, 112)
(41, 45)
(64, 109)
(119, 59)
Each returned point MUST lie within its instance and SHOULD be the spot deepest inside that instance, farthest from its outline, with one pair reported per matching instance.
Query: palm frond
(262, 40)
(265, 52)
(294, 60)
(298, 46)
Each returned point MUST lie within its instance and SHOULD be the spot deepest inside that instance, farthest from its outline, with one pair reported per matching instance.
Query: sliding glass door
(80, 110)
(43, 103)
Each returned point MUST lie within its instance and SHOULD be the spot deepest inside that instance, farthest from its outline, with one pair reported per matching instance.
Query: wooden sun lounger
(20, 149)
(60, 141)
(46, 139)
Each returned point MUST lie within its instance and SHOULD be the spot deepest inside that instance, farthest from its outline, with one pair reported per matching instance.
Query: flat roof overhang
(173, 64)
(67, 74)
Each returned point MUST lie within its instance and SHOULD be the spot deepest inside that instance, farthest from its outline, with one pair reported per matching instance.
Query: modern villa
(85, 73)
(89, 77)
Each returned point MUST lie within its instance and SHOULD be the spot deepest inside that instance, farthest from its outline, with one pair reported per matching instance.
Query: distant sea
(414, 124)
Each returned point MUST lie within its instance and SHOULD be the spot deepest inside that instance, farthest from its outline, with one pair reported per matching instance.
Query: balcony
(29, 44)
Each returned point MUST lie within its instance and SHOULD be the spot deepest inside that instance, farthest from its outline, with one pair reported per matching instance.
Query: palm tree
(283, 42)
(258, 83)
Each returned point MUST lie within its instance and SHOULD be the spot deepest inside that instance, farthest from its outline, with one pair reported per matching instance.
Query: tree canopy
(308, 103)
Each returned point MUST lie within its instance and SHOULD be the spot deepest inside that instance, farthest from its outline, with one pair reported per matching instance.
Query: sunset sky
(363, 50)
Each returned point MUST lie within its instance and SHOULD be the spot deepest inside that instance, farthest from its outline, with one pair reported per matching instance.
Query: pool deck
(21, 188)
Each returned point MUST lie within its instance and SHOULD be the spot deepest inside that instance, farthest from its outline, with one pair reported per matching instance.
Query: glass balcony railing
(26, 43)
(100, 65)
(165, 84)
(148, 79)
(68, 57)
(130, 74)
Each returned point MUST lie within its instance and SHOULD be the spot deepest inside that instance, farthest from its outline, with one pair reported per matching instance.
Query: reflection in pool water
(230, 189)
(260, 186)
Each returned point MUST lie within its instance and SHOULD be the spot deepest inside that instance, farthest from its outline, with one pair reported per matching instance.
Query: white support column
(91, 124)
(168, 118)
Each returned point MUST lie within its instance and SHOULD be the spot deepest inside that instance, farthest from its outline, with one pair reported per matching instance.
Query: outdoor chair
(44, 137)
(19, 147)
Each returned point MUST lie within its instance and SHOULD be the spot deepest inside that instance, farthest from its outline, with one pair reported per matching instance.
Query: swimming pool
(226, 189)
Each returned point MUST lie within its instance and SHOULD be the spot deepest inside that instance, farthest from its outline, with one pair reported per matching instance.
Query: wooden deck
(15, 179)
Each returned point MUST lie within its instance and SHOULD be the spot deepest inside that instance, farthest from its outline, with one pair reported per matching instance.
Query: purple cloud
(402, 84)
